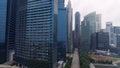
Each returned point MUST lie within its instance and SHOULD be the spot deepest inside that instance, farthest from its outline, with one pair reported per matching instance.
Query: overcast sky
(110, 9)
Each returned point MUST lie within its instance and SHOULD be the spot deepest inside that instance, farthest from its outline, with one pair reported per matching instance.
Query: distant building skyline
(88, 6)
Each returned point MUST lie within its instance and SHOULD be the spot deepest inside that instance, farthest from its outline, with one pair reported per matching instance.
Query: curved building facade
(87, 28)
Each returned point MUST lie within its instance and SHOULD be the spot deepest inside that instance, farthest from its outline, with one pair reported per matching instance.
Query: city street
(75, 61)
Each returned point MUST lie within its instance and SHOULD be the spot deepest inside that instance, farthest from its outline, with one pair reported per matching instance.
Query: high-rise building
(11, 21)
(98, 22)
(77, 30)
(69, 28)
(112, 36)
(36, 33)
(62, 30)
(118, 40)
(88, 26)
(100, 41)
(3, 14)
(116, 30)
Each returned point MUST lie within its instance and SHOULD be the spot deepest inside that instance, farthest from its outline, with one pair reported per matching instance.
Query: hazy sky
(110, 9)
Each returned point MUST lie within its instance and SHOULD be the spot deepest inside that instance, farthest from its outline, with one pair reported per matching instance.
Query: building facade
(77, 30)
(118, 40)
(3, 14)
(69, 28)
(62, 30)
(88, 26)
(36, 33)
(116, 30)
(100, 41)
(11, 22)
(112, 36)
(98, 22)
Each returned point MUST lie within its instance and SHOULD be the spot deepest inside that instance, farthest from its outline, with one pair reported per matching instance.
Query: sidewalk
(75, 61)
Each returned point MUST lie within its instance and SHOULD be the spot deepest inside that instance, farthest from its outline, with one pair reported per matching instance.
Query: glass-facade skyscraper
(3, 8)
(88, 26)
(112, 35)
(98, 22)
(10, 27)
(62, 30)
(77, 30)
(36, 33)
(69, 28)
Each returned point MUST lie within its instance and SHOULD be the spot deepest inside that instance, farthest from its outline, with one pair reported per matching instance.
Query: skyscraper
(116, 30)
(62, 30)
(11, 21)
(100, 41)
(98, 22)
(88, 27)
(77, 29)
(69, 28)
(112, 36)
(3, 10)
(36, 33)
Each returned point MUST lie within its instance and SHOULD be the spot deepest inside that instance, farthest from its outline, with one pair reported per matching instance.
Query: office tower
(112, 38)
(77, 29)
(116, 30)
(102, 30)
(100, 41)
(69, 28)
(98, 22)
(36, 33)
(11, 21)
(62, 30)
(118, 40)
(88, 26)
(3, 10)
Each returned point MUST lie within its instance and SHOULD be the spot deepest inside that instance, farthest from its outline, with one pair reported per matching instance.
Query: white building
(112, 35)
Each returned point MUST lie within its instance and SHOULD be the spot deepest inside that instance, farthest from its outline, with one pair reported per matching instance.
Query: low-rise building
(103, 66)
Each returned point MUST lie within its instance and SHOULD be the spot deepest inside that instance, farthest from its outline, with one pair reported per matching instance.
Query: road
(75, 61)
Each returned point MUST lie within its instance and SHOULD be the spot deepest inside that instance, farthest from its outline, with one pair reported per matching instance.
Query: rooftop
(105, 66)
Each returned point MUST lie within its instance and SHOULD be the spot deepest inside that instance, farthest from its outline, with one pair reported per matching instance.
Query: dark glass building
(100, 41)
(36, 33)
(62, 30)
(10, 27)
(77, 30)
(116, 30)
(3, 8)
